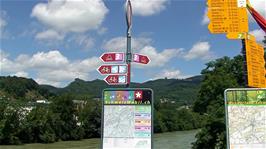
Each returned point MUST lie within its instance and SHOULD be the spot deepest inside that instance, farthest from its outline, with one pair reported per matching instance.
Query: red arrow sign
(116, 79)
(140, 59)
(113, 57)
(112, 69)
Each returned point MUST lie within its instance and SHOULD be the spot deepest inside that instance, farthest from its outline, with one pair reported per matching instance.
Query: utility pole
(128, 53)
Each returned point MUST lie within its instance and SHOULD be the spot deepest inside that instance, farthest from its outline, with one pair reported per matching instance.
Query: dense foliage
(63, 120)
(219, 75)
(45, 123)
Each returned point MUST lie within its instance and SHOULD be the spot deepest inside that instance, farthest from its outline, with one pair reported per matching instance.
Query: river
(170, 140)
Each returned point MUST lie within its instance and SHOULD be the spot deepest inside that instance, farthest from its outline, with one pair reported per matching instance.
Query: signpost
(228, 16)
(121, 74)
(140, 59)
(112, 69)
(116, 79)
(113, 57)
(254, 55)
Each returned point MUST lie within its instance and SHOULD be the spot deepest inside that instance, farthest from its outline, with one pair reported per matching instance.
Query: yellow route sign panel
(228, 16)
(255, 63)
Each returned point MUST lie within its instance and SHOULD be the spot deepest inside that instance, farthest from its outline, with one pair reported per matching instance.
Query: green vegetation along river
(169, 140)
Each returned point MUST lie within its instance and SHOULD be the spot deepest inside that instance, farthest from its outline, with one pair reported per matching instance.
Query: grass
(170, 140)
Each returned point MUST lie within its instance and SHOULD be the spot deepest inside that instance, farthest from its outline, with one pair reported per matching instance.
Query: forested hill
(172, 89)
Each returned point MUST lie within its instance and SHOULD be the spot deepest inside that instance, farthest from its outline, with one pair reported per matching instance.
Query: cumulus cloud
(148, 7)
(50, 67)
(119, 44)
(21, 74)
(49, 35)
(171, 74)
(63, 16)
(159, 59)
(199, 50)
(7, 65)
(259, 34)
(141, 45)
(85, 41)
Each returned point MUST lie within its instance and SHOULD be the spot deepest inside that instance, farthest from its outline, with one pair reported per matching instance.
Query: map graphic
(116, 123)
(246, 119)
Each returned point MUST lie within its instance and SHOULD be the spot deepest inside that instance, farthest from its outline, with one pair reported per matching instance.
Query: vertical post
(245, 67)
(128, 52)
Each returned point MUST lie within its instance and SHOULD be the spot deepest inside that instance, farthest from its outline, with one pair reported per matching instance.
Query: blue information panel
(127, 119)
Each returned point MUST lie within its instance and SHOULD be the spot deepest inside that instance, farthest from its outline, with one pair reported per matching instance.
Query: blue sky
(57, 41)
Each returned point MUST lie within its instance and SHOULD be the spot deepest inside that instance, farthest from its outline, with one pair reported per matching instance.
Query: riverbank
(169, 140)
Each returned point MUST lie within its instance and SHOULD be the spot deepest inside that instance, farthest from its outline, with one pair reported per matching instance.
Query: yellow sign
(227, 16)
(255, 63)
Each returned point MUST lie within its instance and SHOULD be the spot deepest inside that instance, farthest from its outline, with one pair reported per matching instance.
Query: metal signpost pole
(245, 65)
(128, 53)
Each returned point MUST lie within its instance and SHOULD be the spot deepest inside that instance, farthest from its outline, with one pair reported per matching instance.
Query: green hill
(183, 91)
(18, 88)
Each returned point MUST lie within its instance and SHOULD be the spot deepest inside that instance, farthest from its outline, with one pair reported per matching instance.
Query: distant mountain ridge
(183, 90)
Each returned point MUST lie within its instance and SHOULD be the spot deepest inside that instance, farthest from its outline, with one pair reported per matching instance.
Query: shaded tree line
(57, 121)
(62, 121)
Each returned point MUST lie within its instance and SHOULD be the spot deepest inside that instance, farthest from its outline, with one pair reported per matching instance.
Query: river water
(170, 140)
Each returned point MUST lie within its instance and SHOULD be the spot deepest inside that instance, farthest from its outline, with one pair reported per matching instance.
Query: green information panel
(127, 119)
(246, 118)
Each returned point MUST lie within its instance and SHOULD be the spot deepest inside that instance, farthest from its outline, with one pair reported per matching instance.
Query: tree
(218, 75)
(10, 127)
(36, 127)
(66, 127)
(90, 118)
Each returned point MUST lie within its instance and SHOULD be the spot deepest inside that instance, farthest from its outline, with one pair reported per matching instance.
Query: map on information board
(246, 118)
(127, 119)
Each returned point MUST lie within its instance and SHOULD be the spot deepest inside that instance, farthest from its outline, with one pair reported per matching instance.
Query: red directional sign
(116, 79)
(113, 69)
(113, 57)
(140, 59)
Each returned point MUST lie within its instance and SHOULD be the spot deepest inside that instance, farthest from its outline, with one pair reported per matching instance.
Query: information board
(255, 62)
(127, 119)
(228, 16)
(246, 118)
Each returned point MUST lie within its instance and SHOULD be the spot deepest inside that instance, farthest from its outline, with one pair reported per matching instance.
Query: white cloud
(6, 65)
(199, 50)
(21, 74)
(205, 20)
(259, 34)
(63, 16)
(49, 35)
(84, 41)
(50, 60)
(148, 7)
(50, 67)
(47, 82)
(119, 44)
(159, 59)
(171, 74)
